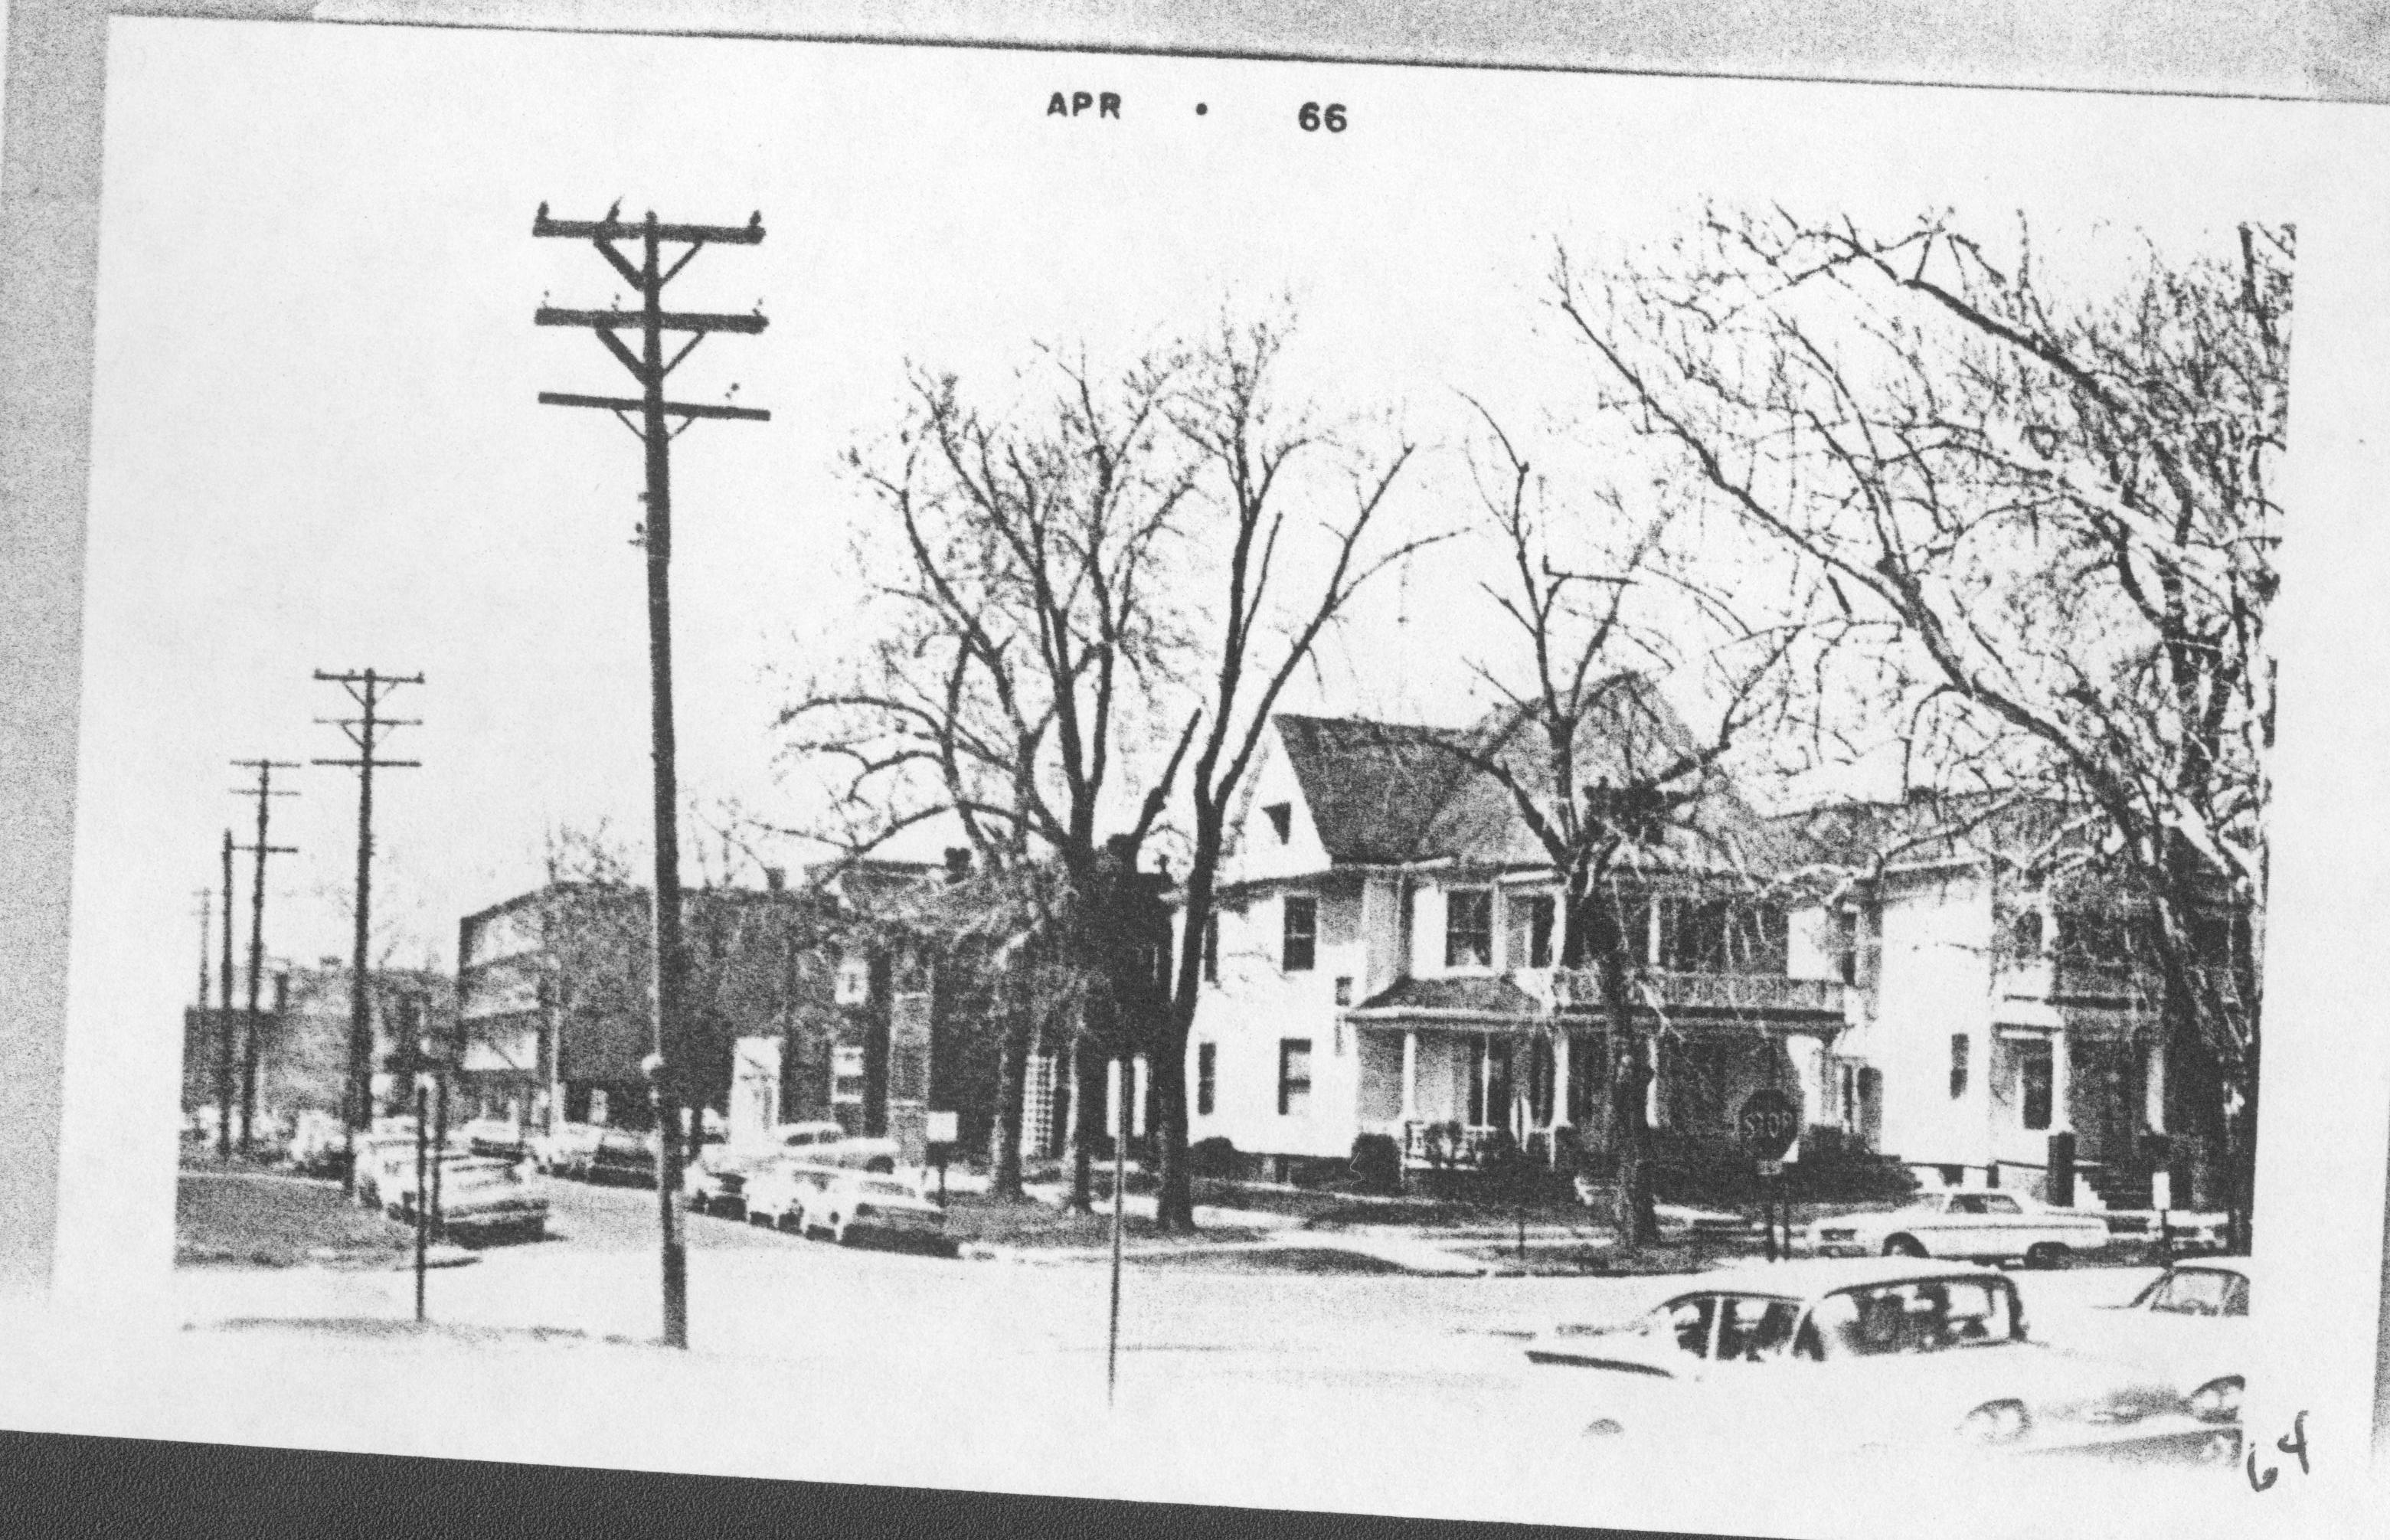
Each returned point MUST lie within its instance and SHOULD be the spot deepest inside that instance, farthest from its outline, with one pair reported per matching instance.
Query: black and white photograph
(1467, 794)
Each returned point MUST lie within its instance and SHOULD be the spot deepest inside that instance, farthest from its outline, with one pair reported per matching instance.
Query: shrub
(1213, 1157)
(1377, 1165)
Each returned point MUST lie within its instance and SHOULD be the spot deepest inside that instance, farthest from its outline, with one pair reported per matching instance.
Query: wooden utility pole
(265, 793)
(207, 955)
(224, 1021)
(650, 416)
(367, 689)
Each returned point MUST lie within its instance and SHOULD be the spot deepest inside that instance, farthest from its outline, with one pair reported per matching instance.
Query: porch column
(1410, 1074)
(1652, 1098)
(2154, 1096)
(2060, 1077)
(1485, 1079)
(1560, 1082)
(1071, 1123)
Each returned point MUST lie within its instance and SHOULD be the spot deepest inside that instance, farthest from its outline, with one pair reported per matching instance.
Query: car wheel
(1904, 1246)
(839, 1232)
(2049, 1254)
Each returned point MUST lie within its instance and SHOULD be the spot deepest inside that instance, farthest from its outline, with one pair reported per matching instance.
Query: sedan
(1871, 1355)
(478, 1197)
(2190, 1324)
(1980, 1227)
(774, 1192)
(857, 1206)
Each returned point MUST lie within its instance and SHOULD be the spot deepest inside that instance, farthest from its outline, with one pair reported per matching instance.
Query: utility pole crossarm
(673, 408)
(632, 320)
(748, 233)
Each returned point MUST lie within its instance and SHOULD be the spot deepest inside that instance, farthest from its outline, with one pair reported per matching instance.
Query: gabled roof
(1390, 793)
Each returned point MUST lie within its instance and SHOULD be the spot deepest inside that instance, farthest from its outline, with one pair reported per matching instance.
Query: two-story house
(1387, 960)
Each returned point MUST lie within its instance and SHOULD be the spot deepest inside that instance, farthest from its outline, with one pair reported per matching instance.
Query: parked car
(567, 1150)
(858, 1205)
(1981, 1227)
(715, 1183)
(1869, 1355)
(777, 1190)
(479, 1198)
(623, 1155)
(2183, 1233)
(386, 1159)
(2190, 1324)
(501, 1138)
(319, 1142)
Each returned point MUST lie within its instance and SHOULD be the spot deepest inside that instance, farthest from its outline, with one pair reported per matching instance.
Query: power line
(649, 368)
(265, 793)
(367, 688)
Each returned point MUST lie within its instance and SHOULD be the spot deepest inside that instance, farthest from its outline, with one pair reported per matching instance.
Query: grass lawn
(976, 1218)
(242, 1218)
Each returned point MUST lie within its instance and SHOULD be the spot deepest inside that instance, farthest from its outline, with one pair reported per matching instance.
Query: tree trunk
(1085, 1117)
(1175, 1206)
(1012, 1094)
(1630, 1123)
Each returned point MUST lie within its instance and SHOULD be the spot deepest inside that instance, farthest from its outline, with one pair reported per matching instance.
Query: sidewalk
(1407, 1248)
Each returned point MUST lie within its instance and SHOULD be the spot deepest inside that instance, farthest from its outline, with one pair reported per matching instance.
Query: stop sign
(1767, 1124)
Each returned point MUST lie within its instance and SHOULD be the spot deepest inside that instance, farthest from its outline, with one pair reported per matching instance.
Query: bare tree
(1262, 626)
(2056, 490)
(1607, 777)
(1021, 559)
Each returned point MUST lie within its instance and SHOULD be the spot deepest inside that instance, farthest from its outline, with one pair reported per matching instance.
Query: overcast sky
(317, 443)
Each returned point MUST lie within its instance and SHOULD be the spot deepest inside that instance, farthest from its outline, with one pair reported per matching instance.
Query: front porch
(1455, 1070)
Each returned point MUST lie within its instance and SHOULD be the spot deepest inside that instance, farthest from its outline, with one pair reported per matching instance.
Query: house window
(1293, 1076)
(1469, 928)
(853, 981)
(846, 1074)
(1345, 990)
(1528, 942)
(1302, 933)
(1846, 945)
(1539, 930)
(1207, 1070)
(1212, 950)
(2035, 1077)
(1281, 817)
(2025, 934)
(1958, 1065)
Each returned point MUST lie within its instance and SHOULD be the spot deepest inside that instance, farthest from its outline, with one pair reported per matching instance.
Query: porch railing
(1724, 994)
(1446, 1146)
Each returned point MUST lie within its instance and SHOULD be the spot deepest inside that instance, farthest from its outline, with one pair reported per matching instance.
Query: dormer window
(1281, 817)
(1469, 928)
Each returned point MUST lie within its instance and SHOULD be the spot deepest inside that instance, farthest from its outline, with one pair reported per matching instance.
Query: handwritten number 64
(2292, 1443)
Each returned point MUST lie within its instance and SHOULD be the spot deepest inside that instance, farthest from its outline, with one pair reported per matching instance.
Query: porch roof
(1471, 997)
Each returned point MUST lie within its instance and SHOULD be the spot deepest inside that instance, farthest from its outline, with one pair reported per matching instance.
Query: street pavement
(1390, 1393)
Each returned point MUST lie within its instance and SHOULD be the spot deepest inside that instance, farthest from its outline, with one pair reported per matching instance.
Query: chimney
(958, 863)
(775, 879)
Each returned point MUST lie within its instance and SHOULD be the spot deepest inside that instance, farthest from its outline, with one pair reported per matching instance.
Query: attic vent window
(1281, 817)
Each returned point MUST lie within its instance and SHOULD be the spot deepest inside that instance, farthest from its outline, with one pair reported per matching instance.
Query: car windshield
(480, 1175)
(1928, 1316)
(2197, 1291)
(884, 1190)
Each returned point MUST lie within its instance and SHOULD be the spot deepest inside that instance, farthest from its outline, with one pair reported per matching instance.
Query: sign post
(1766, 1125)
(942, 1131)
